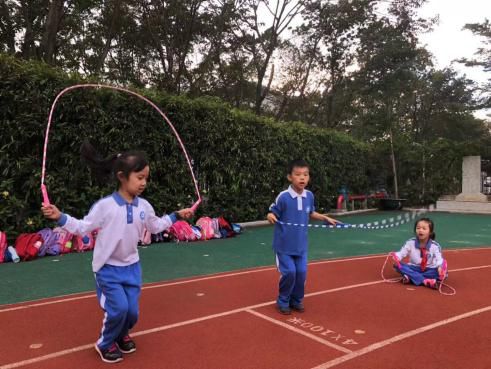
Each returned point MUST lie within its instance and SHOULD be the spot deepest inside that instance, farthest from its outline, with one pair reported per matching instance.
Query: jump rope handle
(195, 205)
(396, 259)
(443, 270)
(45, 195)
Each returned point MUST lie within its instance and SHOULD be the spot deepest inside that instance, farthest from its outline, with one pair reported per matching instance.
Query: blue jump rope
(382, 224)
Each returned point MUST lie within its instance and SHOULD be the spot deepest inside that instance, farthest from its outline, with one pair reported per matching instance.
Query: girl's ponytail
(101, 168)
(107, 169)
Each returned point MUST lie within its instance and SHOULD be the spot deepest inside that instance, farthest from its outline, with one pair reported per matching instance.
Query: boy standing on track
(290, 242)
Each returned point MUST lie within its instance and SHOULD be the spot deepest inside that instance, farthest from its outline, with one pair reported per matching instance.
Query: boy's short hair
(297, 163)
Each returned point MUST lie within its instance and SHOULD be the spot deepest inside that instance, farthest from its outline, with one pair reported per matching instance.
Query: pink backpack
(64, 240)
(3, 245)
(182, 231)
(84, 243)
(206, 225)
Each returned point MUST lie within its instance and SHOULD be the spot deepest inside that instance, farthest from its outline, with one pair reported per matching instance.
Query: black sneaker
(110, 355)
(298, 307)
(126, 345)
(284, 310)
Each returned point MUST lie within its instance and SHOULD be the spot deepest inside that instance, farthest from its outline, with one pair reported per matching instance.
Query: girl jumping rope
(120, 219)
(426, 264)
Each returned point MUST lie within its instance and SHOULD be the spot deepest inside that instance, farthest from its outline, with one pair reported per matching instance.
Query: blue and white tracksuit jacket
(116, 263)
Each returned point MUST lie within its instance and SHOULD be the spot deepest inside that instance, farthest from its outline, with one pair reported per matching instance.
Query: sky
(448, 41)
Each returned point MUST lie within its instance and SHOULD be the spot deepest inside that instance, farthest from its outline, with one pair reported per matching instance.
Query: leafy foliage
(240, 159)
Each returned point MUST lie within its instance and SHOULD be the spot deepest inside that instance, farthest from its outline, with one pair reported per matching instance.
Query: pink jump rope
(44, 191)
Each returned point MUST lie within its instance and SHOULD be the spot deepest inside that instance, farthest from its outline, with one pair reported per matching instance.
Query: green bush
(240, 160)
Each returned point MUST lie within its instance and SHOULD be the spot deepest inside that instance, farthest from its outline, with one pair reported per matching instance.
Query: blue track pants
(293, 269)
(118, 292)
(416, 275)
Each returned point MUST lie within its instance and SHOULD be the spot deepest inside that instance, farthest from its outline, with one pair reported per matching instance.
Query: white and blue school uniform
(116, 263)
(290, 243)
(413, 269)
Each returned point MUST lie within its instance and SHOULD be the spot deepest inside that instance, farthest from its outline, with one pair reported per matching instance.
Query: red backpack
(3, 245)
(27, 246)
(226, 228)
(182, 231)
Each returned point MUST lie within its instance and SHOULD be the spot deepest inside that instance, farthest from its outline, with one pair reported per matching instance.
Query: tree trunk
(8, 29)
(111, 32)
(394, 168)
(48, 44)
(283, 103)
(28, 49)
(260, 93)
(423, 174)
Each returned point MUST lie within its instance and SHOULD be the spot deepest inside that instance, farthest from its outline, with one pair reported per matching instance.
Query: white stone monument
(470, 200)
(471, 180)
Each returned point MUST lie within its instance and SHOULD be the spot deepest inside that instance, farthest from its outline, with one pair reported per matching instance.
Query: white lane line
(220, 276)
(54, 355)
(299, 331)
(169, 326)
(176, 283)
(399, 337)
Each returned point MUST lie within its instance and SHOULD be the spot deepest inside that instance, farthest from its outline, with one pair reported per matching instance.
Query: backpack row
(52, 242)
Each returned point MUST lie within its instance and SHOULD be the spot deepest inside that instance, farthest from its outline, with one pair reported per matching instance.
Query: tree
(261, 42)
(8, 28)
(482, 59)
(390, 65)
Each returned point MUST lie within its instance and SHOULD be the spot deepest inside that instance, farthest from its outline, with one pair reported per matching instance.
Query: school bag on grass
(11, 255)
(226, 229)
(237, 228)
(164, 236)
(64, 240)
(197, 232)
(3, 245)
(50, 242)
(206, 226)
(182, 231)
(84, 243)
(216, 228)
(27, 246)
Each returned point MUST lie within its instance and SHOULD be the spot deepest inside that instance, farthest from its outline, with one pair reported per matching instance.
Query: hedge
(240, 159)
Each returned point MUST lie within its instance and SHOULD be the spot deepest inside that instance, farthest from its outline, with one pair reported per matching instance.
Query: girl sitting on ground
(426, 264)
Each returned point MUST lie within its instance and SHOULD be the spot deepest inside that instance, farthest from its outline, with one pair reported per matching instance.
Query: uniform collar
(294, 194)
(418, 246)
(120, 201)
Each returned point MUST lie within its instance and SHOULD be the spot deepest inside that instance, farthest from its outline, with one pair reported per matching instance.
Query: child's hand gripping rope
(395, 259)
(442, 271)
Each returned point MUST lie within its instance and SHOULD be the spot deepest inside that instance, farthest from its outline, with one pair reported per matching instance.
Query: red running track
(228, 321)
